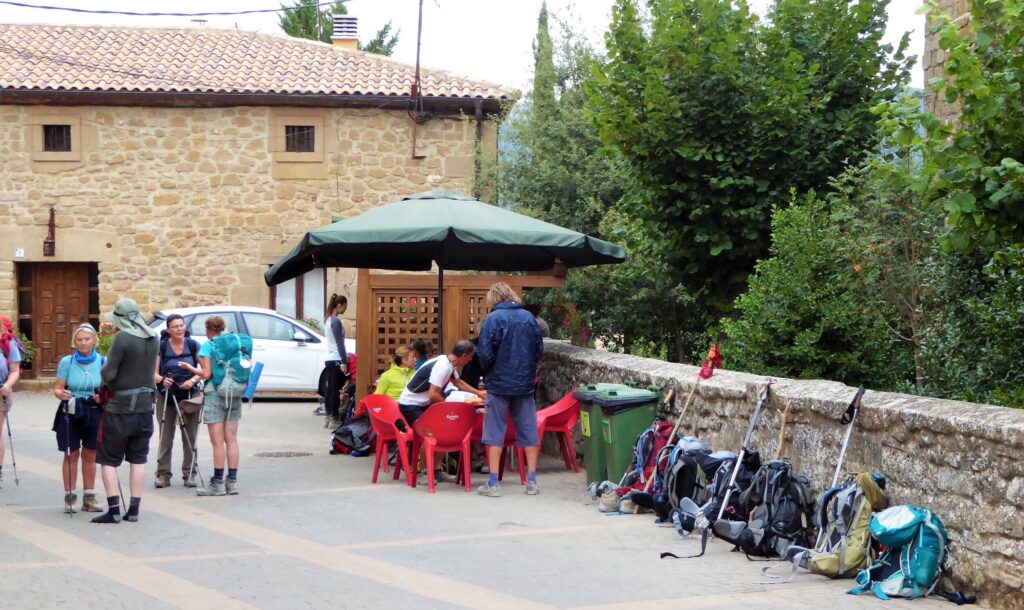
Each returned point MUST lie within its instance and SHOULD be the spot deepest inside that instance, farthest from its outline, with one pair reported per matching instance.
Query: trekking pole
(191, 442)
(10, 439)
(67, 452)
(848, 418)
(746, 443)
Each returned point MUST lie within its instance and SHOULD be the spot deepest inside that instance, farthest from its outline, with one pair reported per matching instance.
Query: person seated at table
(427, 385)
(393, 380)
(424, 351)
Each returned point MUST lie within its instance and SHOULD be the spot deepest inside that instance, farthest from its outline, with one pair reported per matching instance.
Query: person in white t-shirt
(427, 386)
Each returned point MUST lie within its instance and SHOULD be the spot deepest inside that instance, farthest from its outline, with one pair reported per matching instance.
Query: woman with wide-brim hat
(128, 417)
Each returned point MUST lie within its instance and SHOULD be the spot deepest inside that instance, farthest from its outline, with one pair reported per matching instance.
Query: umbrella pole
(440, 309)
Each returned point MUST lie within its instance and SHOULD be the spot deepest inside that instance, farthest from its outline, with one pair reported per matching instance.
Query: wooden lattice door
(400, 317)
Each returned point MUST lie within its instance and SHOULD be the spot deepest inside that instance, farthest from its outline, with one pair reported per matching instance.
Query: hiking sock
(218, 474)
(531, 477)
(492, 480)
(133, 510)
(232, 474)
(113, 514)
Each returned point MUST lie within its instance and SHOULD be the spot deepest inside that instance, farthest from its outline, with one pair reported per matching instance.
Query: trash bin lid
(587, 393)
(616, 398)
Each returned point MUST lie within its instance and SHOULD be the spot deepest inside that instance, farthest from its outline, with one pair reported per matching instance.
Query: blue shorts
(78, 432)
(524, 418)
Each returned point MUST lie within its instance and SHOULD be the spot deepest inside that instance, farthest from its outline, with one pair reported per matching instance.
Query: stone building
(174, 166)
(935, 57)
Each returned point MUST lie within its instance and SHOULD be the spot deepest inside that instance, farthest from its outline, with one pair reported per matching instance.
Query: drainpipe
(478, 106)
(415, 91)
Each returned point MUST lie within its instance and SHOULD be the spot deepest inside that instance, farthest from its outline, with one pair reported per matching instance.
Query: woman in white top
(336, 365)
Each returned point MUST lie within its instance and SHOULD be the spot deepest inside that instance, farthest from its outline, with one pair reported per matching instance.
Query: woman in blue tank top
(77, 421)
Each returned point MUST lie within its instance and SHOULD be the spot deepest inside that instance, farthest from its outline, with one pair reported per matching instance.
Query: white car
(292, 353)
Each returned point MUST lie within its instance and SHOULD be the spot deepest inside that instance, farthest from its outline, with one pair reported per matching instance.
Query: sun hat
(127, 317)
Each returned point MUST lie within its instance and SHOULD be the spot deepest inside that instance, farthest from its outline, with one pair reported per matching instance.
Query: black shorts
(411, 413)
(77, 432)
(124, 438)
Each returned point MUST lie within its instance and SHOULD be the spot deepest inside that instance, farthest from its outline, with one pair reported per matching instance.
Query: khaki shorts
(216, 409)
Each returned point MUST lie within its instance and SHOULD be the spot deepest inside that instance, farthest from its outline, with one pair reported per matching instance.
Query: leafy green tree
(301, 21)
(716, 115)
(979, 156)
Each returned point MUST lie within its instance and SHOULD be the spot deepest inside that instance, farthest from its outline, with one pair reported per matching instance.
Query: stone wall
(181, 206)
(963, 460)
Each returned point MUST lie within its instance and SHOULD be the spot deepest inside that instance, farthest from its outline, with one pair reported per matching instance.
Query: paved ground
(311, 532)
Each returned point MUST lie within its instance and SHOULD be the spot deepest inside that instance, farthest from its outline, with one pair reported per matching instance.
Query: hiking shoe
(213, 488)
(231, 486)
(441, 476)
(89, 503)
(163, 480)
(532, 488)
(69, 503)
(327, 421)
(190, 482)
(491, 491)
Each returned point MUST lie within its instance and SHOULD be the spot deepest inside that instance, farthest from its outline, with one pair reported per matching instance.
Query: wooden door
(60, 302)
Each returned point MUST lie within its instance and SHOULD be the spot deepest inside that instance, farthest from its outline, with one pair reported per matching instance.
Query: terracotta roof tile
(94, 58)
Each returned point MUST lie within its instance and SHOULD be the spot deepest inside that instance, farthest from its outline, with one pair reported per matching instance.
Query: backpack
(843, 517)
(354, 435)
(233, 354)
(649, 457)
(916, 543)
(716, 491)
(191, 352)
(781, 508)
(683, 476)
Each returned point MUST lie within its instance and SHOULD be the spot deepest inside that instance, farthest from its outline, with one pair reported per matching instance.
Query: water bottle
(480, 385)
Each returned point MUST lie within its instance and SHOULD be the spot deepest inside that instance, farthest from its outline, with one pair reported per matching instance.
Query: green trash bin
(625, 412)
(590, 424)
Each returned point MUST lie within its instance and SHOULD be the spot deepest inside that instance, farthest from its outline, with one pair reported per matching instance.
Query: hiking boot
(190, 482)
(231, 486)
(213, 488)
(532, 488)
(162, 480)
(491, 491)
(333, 423)
(327, 421)
(443, 477)
(89, 503)
(69, 503)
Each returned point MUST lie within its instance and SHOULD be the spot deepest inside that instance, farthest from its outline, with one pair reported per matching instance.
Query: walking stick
(743, 450)
(67, 452)
(707, 371)
(10, 439)
(782, 429)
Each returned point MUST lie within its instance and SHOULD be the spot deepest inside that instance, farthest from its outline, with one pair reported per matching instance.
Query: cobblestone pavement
(312, 532)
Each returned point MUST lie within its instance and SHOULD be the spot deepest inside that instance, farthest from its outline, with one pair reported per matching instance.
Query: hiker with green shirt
(222, 408)
(127, 423)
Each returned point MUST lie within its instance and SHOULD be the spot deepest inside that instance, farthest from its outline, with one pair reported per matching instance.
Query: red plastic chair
(510, 443)
(445, 426)
(384, 417)
(559, 419)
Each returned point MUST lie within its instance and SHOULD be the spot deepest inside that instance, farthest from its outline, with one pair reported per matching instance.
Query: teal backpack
(916, 543)
(233, 355)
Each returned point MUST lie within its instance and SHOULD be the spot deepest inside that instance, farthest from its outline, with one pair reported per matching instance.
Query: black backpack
(781, 509)
(683, 475)
(716, 491)
(354, 435)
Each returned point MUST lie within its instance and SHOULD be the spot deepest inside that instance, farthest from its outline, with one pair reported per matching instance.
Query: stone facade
(962, 460)
(935, 58)
(189, 206)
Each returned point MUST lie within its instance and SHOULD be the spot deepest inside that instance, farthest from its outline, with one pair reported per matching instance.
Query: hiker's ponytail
(333, 303)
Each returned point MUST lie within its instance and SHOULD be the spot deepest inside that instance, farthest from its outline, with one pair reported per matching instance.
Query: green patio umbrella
(448, 228)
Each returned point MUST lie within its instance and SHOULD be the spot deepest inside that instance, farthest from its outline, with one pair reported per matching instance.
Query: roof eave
(437, 104)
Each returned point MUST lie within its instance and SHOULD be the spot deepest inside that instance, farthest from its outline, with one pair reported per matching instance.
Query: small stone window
(57, 138)
(300, 138)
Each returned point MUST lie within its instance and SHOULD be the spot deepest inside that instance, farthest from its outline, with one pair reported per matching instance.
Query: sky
(481, 39)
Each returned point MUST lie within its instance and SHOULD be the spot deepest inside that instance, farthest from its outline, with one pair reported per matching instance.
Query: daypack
(781, 508)
(354, 435)
(910, 567)
(843, 517)
(233, 354)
